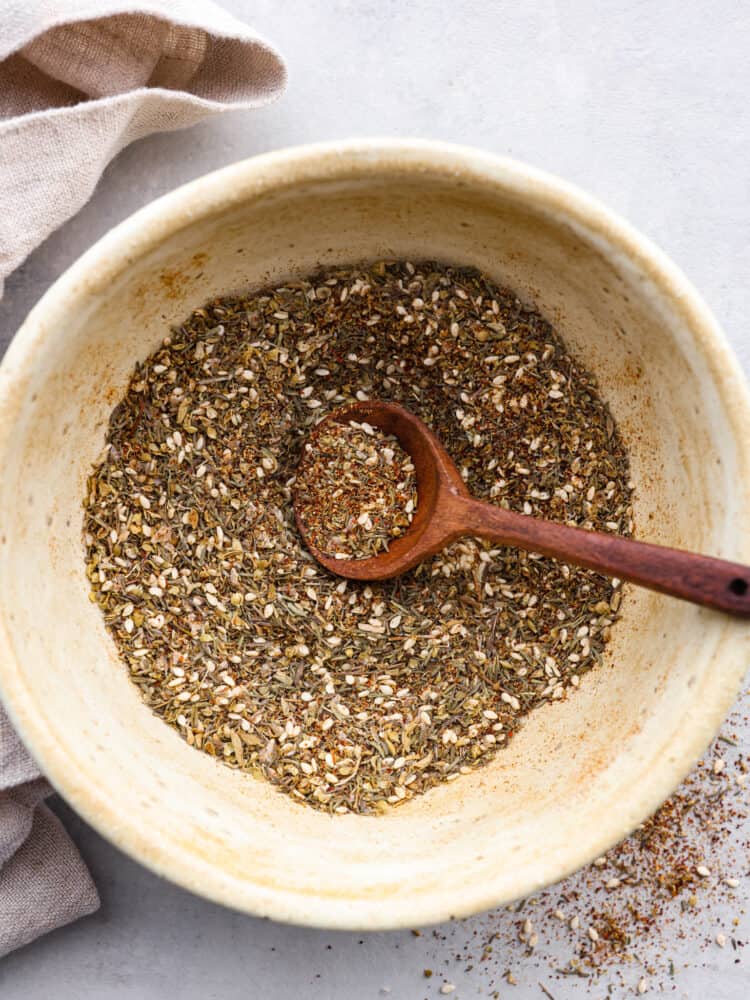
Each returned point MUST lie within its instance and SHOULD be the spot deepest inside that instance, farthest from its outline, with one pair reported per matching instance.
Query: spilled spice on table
(350, 697)
(672, 895)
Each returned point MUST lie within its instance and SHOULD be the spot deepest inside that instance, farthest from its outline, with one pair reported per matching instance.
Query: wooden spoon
(446, 511)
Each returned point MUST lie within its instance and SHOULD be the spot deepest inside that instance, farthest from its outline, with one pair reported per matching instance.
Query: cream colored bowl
(581, 773)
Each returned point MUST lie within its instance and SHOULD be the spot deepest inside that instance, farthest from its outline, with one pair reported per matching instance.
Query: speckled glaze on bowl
(581, 773)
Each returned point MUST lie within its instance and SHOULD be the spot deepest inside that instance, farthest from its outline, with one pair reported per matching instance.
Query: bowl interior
(582, 771)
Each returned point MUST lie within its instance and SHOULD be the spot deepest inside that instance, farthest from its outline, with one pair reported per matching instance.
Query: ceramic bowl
(581, 773)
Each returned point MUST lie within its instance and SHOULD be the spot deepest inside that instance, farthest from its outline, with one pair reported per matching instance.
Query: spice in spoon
(355, 490)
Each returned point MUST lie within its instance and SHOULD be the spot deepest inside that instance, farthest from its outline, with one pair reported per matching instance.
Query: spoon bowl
(437, 480)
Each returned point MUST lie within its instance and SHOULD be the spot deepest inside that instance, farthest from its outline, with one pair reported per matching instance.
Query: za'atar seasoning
(349, 696)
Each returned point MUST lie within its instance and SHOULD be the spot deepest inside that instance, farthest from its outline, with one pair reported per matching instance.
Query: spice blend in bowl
(350, 697)
(355, 490)
(581, 772)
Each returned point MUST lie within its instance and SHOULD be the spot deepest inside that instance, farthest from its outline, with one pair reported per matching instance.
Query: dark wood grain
(446, 512)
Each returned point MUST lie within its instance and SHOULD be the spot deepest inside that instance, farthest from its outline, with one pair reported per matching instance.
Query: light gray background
(644, 104)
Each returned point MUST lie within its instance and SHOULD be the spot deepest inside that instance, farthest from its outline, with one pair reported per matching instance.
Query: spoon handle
(713, 583)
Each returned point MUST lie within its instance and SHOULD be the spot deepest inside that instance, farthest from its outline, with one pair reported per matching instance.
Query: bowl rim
(283, 169)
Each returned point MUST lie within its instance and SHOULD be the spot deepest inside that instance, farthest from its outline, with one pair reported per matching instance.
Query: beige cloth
(43, 881)
(78, 81)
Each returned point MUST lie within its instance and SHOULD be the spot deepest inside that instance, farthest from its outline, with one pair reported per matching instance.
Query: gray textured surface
(643, 104)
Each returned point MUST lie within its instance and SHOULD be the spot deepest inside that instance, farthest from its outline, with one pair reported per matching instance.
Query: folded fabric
(43, 881)
(78, 81)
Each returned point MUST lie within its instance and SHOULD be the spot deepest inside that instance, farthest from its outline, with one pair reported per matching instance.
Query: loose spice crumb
(662, 901)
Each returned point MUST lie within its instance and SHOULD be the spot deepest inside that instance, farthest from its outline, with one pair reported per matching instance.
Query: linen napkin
(43, 881)
(80, 79)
